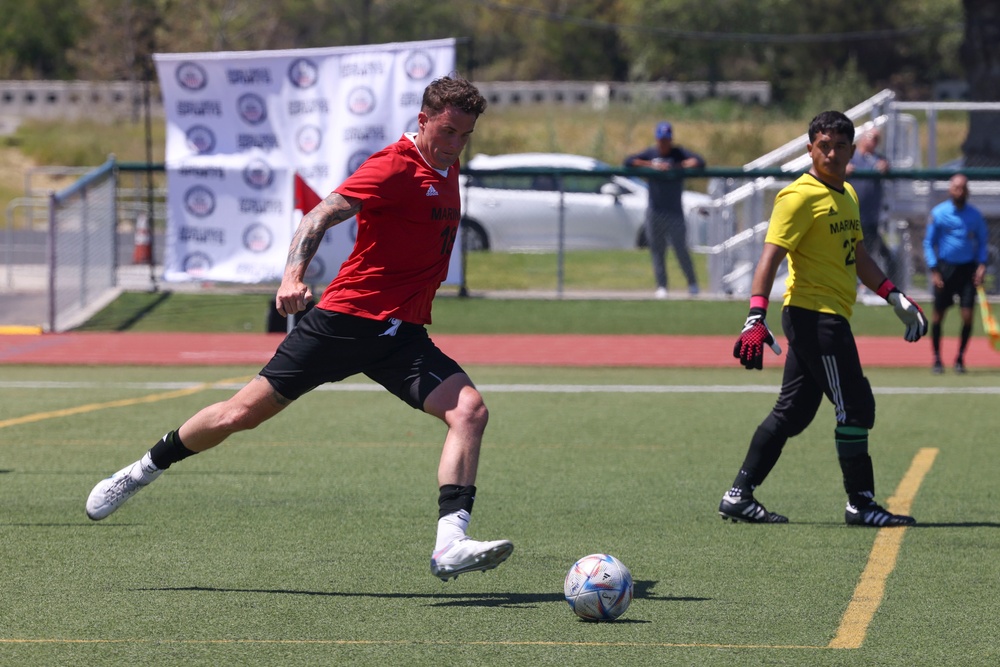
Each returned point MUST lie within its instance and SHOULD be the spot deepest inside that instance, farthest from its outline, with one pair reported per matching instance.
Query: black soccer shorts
(327, 346)
(958, 281)
(822, 360)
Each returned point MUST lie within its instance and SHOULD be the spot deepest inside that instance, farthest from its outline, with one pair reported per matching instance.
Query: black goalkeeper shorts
(327, 346)
(822, 360)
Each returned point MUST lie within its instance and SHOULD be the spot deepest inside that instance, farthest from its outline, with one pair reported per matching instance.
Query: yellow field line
(122, 403)
(882, 560)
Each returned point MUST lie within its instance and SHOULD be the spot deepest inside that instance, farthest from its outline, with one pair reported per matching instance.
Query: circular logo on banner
(252, 108)
(199, 201)
(309, 138)
(356, 160)
(191, 76)
(418, 65)
(303, 73)
(258, 174)
(200, 139)
(257, 237)
(197, 264)
(315, 269)
(361, 101)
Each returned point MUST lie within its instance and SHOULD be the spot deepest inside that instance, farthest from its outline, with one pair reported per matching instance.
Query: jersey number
(448, 235)
(851, 253)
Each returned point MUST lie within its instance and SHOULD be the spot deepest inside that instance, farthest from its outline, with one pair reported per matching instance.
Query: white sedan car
(511, 211)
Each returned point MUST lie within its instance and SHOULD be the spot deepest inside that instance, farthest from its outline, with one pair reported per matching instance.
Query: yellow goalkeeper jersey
(819, 227)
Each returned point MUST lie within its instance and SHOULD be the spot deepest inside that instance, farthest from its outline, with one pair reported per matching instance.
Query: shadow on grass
(643, 591)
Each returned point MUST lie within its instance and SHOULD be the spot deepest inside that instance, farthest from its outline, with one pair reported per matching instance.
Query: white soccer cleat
(468, 555)
(111, 493)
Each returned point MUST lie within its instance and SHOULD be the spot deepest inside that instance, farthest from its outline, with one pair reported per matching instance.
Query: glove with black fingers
(906, 310)
(749, 347)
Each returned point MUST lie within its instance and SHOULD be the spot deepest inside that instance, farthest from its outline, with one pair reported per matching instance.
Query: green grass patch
(235, 312)
(307, 540)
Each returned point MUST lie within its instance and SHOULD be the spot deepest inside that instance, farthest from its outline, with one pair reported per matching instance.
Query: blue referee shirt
(955, 235)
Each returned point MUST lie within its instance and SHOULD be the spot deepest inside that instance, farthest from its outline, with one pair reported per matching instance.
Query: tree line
(800, 46)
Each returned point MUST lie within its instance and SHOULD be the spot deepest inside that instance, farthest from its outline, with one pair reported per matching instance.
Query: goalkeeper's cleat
(466, 555)
(875, 515)
(959, 366)
(937, 368)
(747, 509)
(111, 493)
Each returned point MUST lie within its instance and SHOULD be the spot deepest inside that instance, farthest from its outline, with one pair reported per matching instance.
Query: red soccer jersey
(406, 229)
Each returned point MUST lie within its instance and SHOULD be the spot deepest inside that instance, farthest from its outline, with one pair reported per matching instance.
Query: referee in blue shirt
(955, 251)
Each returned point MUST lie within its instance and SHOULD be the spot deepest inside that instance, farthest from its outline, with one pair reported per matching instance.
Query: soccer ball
(598, 587)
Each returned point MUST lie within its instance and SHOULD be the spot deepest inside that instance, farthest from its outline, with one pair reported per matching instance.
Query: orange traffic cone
(142, 254)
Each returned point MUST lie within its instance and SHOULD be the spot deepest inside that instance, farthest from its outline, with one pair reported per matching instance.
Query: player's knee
(471, 410)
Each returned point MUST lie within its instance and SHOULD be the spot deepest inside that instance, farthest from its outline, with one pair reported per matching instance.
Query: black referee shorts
(958, 281)
(326, 346)
(822, 360)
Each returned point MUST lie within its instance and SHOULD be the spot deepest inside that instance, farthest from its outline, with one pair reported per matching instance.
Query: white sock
(149, 469)
(450, 528)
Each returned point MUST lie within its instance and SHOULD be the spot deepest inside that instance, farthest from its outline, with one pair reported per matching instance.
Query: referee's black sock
(169, 450)
(963, 342)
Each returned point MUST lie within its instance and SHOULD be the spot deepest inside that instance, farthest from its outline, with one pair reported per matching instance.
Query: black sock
(169, 450)
(963, 342)
(936, 340)
(453, 498)
(764, 451)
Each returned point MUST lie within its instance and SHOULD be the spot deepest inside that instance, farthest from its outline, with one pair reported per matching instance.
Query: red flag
(306, 198)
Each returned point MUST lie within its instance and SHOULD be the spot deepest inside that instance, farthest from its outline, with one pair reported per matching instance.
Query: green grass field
(307, 540)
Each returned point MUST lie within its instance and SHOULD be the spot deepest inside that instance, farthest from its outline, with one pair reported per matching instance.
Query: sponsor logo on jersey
(845, 226)
(446, 213)
(432, 191)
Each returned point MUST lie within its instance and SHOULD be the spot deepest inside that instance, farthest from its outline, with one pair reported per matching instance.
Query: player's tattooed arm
(293, 293)
(309, 234)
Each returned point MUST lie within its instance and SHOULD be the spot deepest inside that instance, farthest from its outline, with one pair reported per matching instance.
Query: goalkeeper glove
(907, 311)
(749, 347)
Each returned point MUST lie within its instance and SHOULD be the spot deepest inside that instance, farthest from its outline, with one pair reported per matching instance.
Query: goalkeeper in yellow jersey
(816, 225)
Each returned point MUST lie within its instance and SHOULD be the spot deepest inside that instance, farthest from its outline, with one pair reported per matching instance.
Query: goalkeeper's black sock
(764, 451)
(169, 450)
(964, 341)
(855, 464)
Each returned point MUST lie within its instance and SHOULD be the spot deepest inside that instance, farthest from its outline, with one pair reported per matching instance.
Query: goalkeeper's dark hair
(831, 122)
(452, 91)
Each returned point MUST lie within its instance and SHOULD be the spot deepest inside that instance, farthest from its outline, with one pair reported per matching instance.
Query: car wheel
(474, 237)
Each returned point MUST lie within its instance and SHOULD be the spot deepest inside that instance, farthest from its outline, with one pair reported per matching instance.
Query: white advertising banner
(241, 125)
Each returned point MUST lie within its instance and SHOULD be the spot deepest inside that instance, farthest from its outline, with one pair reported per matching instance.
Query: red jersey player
(369, 320)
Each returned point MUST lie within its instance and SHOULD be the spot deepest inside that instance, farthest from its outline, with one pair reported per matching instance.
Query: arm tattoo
(329, 212)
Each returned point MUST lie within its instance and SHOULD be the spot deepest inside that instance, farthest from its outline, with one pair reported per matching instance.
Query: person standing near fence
(665, 213)
(955, 250)
(371, 319)
(869, 191)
